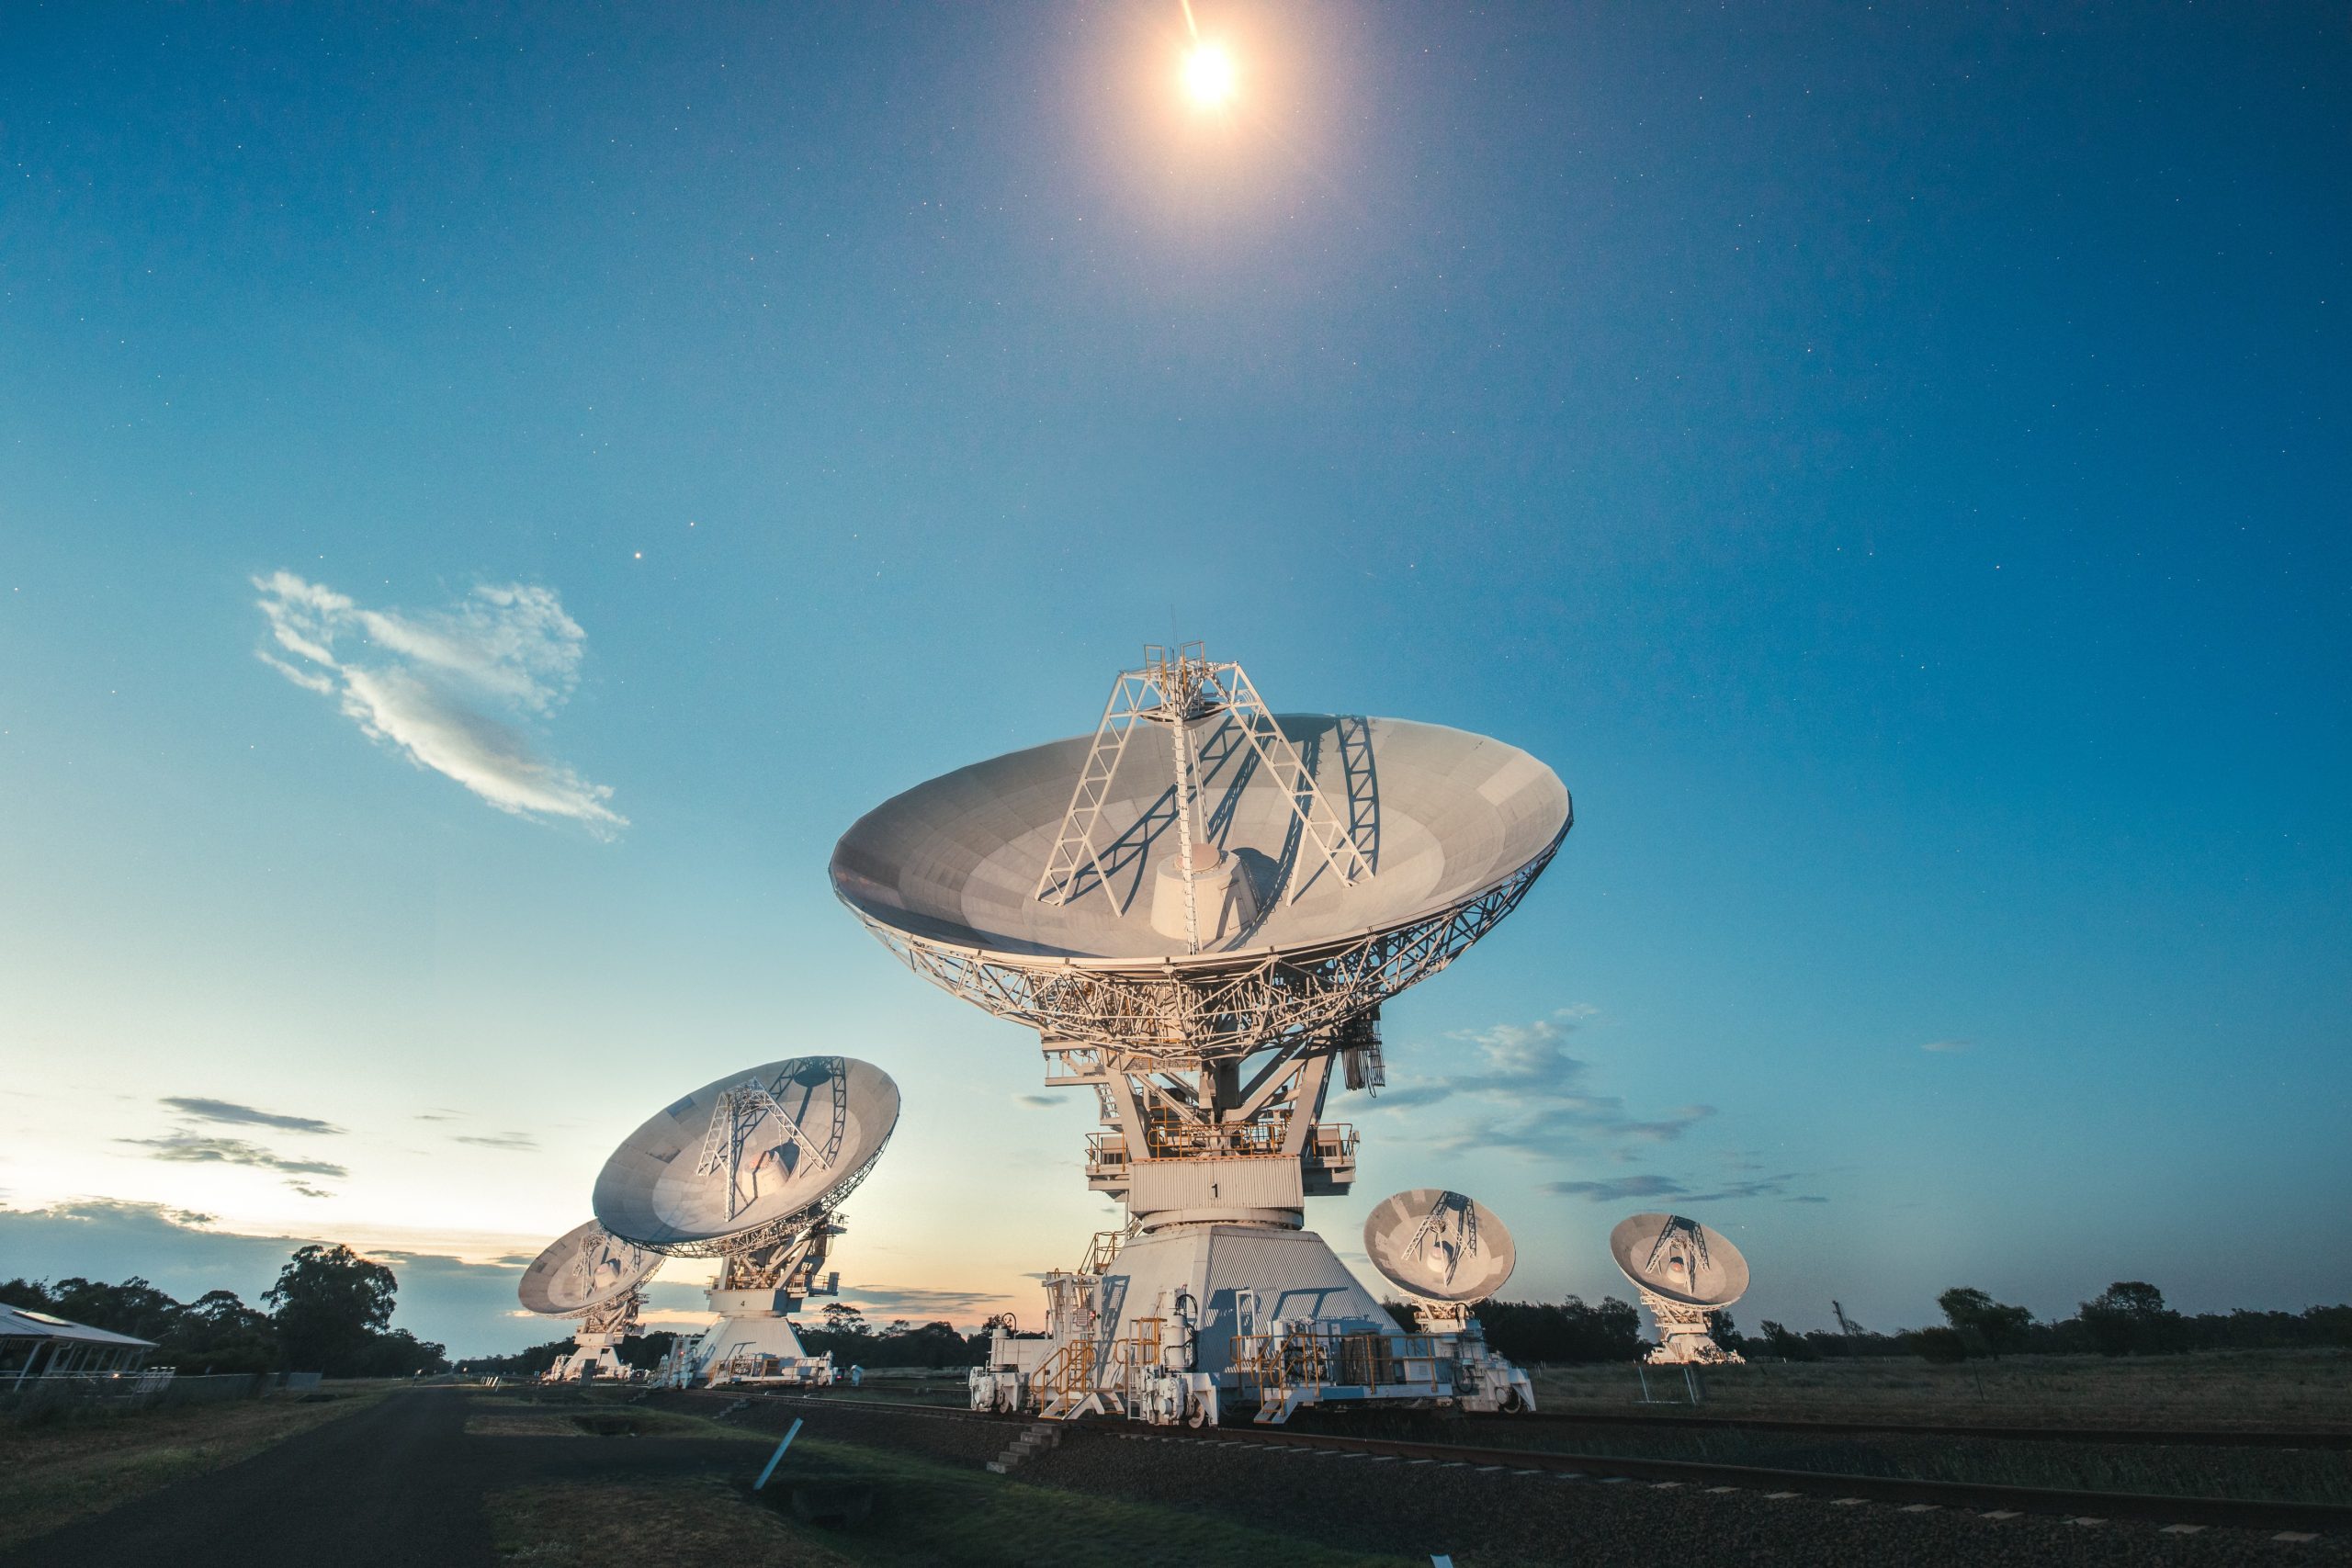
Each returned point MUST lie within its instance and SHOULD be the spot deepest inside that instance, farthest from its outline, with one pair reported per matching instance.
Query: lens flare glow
(1208, 76)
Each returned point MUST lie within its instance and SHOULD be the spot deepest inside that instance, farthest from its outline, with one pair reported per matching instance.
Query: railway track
(2234, 1513)
(2208, 1439)
(2193, 1512)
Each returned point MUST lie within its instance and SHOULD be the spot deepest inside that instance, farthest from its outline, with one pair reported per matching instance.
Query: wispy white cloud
(204, 1109)
(453, 690)
(879, 1305)
(1616, 1190)
(188, 1148)
(1521, 1091)
(497, 1140)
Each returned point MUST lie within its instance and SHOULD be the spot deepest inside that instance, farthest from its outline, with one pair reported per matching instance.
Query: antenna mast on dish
(740, 1109)
(1180, 689)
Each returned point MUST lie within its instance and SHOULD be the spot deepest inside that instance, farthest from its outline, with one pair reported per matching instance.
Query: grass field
(2242, 1390)
(2300, 1475)
(57, 1470)
(923, 1512)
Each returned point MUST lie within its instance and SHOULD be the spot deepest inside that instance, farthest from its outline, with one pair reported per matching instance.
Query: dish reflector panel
(585, 1269)
(750, 1157)
(1680, 1259)
(1440, 1246)
(1443, 815)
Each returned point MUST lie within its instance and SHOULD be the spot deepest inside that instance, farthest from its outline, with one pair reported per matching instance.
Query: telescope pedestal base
(1683, 1340)
(1252, 1321)
(591, 1355)
(749, 1345)
(1242, 1278)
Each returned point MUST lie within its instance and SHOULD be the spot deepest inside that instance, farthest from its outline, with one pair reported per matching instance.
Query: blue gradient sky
(1895, 467)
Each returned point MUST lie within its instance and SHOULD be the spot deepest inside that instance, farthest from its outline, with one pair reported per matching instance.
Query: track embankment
(1517, 1505)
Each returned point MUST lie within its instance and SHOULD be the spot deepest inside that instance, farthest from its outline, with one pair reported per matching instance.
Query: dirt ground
(75, 1464)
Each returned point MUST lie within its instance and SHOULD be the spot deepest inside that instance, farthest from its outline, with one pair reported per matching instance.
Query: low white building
(38, 1344)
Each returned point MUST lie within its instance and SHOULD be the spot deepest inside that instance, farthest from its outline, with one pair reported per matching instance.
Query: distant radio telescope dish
(1685, 1272)
(1440, 1246)
(750, 1159)
(1681, 1259)
(585, 1269)
(1318, 881)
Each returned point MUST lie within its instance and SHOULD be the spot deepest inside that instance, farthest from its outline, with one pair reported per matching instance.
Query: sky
(488, 494)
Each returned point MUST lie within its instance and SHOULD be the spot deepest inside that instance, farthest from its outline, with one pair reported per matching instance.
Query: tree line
(850, 1339)
(329, 1312)
(1552, 1332)
(2129, 1318)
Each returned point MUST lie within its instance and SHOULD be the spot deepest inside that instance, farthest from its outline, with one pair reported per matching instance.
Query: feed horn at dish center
(1200, 907)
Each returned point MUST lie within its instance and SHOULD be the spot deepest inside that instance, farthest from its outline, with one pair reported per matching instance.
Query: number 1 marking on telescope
(777, 1457)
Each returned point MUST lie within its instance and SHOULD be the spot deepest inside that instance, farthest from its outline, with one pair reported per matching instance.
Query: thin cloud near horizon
(229, 1112)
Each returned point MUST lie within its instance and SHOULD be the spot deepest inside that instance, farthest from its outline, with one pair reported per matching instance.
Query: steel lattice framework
(743, 1106)
(788, 1228)
(1212, 1007)
(1177, 689)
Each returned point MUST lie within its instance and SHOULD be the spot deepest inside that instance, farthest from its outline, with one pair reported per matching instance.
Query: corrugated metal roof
(19, 1323)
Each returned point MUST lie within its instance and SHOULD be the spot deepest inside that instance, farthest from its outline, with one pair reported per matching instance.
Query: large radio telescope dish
(1680, 1259)
(585, 1269)
(1436, 834)
(749, 1159)
(1440, 1246)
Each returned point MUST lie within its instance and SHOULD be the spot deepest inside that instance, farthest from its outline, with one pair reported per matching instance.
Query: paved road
(396, 1485)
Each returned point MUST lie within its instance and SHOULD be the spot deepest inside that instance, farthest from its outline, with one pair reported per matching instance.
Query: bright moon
(1208, 76)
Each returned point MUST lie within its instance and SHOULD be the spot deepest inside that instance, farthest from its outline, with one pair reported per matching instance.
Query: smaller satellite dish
(1680, 1259)
(749, 1159)
(1440, 1246)
(586, 1269)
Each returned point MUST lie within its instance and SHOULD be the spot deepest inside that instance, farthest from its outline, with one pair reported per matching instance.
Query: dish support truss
(1233, 1139)
(1217, 1006)
(791, 1265)
(772, 1240)
(1179, 689)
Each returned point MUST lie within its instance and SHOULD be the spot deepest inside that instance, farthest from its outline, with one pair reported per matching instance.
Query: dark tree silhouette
(329, 1305)
(1985, 1324)
(2130, 1318)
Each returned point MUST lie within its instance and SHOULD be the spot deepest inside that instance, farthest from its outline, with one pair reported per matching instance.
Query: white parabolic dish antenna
(1687, 1263)
(1441, 1246)
(583, 1269)
(1323, 881)
(749, 1159)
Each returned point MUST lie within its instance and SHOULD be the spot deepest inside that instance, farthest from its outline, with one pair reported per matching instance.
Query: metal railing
(1329, 1143)
(1306, 1360)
